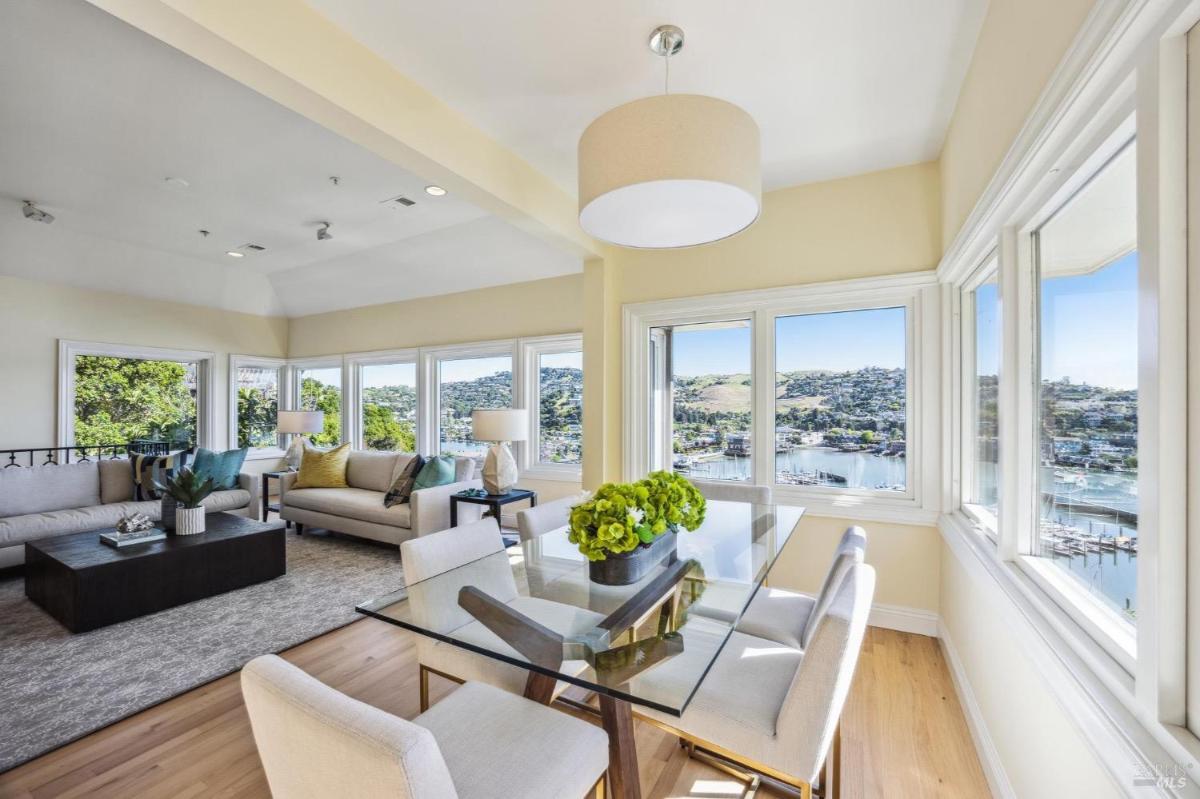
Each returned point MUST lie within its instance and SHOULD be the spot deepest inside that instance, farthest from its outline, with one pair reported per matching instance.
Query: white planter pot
(189, 521)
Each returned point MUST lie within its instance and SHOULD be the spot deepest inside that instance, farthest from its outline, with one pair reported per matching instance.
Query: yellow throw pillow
(323, 469)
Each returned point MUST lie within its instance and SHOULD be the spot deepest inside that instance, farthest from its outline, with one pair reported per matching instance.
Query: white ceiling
(838, 88)
(94, 115)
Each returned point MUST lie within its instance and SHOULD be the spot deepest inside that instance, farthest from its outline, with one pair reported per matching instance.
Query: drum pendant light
(669, 171)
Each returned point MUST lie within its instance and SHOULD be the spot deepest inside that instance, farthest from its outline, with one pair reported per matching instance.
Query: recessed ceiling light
(435, 191)
(177, 183)
(235, 254)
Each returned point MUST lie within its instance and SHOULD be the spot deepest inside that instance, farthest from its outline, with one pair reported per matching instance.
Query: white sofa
(52, 500)
(358, 509)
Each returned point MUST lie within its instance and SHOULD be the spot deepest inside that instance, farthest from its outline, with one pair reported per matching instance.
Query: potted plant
(626, 529)
(188, 489)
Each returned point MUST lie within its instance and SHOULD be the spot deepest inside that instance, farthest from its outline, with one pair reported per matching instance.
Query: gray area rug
(56, 687)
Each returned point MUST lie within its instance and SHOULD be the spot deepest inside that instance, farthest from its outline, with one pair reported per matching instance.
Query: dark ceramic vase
(629, 567)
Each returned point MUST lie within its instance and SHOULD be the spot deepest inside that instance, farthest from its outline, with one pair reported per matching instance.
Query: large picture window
(111, 394)
(120, 400)
(388, 401)
(559, 403)
(1088, 387)
(982, 371)
(809, 390)
(257, 390)
(841, 399)
(319, 388)
(464, 384)
(707, 398)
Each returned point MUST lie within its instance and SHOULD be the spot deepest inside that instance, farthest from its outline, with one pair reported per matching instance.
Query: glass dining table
(534, 606)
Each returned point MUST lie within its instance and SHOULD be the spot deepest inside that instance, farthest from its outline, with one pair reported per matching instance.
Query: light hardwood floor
(903, 730)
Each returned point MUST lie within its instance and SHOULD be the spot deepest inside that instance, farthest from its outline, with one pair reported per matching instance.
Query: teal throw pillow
(437, 471)
(222, 467)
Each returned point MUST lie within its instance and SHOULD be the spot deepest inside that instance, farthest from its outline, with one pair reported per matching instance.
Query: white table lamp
(500, 425)
(298, 423)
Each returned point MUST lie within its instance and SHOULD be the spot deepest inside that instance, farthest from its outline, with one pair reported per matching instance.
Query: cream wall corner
(1020, 45)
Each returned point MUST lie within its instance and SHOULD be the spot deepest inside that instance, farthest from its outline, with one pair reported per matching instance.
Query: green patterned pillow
(222, 467)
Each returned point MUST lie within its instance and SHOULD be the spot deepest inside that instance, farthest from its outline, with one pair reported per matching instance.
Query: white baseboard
(906, 620)
(989, 758)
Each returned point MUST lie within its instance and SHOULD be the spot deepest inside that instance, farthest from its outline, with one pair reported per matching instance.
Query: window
(319, 388)
(388, 400)
(118, 400)
(982, 370)
(464, 384)
(256, 402)
(1087, 395)
(113, 394)
(559, 404)
(708, 397)
(841, 400)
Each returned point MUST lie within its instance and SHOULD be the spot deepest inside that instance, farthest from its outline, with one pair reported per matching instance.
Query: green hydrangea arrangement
(620, 517)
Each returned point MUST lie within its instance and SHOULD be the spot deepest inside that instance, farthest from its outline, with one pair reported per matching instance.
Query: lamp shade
(499, 424)
(670, 171)
(301, 421)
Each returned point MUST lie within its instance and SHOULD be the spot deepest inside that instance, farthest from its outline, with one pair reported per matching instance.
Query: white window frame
(68, 350)
(965, 406)
(917, 292)
(1127, 56)
(295, 365)
(280, 364)
(429, 401)
(352, 403)
(531, 350)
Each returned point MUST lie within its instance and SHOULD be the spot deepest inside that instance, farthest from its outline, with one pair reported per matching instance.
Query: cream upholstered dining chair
(547, 516)
(768, 707)
(790, 617)
(730, 491)
(476, 551)
(316, 742)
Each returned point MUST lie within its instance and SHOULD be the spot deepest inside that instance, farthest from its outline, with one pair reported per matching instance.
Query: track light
(323, 233)
(31, 211)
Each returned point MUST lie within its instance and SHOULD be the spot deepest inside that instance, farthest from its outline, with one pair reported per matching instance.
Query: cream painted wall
(880, 223)
(537, 308)
(1019, 46)
(1043, 754)
(36, 315)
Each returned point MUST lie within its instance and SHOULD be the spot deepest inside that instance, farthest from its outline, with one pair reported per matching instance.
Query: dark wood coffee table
(86, 584)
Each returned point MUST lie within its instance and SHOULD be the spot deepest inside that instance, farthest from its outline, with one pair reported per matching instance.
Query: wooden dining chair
(316, 742)
(765, 708)
(435, 606)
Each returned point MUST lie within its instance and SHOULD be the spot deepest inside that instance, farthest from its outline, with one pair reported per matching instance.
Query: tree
(381, 430)
(118, 400)
(318, 396)
(257, 418)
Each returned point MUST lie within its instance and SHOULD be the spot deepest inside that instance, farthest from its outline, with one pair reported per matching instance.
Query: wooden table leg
(617, 717)
(540, 688)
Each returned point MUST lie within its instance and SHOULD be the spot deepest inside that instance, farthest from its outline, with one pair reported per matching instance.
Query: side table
(493, 502)
(267, 505)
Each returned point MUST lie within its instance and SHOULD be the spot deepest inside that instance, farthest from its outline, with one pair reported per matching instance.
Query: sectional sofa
(358, 509)
(45, 501)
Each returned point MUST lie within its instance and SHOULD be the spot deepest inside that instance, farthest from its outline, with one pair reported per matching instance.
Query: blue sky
(389, 374)
(1089, 326)
(837, 342)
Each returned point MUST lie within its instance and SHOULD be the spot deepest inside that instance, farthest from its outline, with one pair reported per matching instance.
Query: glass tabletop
(652, 642)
